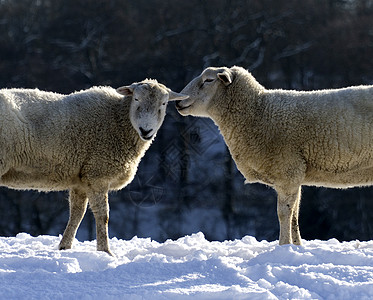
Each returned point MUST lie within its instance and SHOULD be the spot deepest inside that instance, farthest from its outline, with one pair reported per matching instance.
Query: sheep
(89, 143)
(286, 139)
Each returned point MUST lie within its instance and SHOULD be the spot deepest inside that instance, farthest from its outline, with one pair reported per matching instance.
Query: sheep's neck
(128, 138)
(237, 119)
(231, 110)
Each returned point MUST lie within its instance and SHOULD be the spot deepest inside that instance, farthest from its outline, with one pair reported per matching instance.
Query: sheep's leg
(78, 206)
(295, 232)
(99, 205)
(286, 208)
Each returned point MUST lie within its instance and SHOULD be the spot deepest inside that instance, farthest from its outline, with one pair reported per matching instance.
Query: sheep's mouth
(180, 108)
(147, 138)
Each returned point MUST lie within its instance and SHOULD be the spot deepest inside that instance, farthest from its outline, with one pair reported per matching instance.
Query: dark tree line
(187, 182)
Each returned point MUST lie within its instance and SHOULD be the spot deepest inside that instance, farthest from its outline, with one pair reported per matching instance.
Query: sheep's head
(148, 105)
(202, 89)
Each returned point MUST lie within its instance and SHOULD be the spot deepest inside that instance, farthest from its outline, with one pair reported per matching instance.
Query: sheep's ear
(172, 96)
(225, 77)
(126, 90)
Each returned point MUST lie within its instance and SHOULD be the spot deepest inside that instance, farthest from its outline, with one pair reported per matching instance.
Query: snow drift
(33, 268)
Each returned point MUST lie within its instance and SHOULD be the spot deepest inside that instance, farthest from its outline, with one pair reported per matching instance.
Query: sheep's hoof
(63, 247)
(108, 252)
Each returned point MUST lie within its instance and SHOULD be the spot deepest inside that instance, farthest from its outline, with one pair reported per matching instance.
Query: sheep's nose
(145, 132)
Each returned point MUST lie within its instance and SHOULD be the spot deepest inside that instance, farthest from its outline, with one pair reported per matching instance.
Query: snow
(188, 268)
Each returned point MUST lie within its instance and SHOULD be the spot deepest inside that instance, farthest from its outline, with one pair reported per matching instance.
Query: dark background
(187, 181)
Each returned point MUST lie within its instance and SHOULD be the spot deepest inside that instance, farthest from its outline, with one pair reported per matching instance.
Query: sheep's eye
(136, 99)
(206, 80)
(164, 103)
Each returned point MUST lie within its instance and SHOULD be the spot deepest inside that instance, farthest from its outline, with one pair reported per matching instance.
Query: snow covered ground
(188, 268)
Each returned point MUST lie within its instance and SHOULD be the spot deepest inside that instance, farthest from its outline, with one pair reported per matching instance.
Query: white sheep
(89, 142)
(287, 139)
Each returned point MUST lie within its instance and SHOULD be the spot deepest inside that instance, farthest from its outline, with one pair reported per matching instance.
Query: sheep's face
(148, 105)
(202, 90)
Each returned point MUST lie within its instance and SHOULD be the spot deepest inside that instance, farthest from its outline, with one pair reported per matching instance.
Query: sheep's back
(334, 129)
(63, 140)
